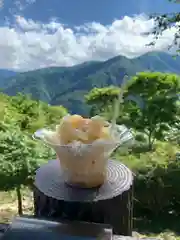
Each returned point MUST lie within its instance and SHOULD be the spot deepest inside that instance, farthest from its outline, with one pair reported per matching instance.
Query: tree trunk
(150, 146)
(19, 198)
(116, 211)
(150, 141)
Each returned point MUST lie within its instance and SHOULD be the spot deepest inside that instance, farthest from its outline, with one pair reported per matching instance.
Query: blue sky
(76, 12)
(66, 32)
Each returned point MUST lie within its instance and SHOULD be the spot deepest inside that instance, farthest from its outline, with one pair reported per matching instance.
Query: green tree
(158, 92)
(166, 21)
(20, 156)
(27, 110)
(32, 115)
(102, 100)
(174, 134)
(150, 103)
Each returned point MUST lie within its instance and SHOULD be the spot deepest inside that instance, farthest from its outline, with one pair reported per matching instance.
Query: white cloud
(28, 45)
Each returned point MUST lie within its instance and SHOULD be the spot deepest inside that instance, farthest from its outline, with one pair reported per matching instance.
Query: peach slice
(76, 121)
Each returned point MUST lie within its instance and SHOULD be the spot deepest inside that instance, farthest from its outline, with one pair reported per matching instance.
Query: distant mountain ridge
(68, 85)
(5, 74)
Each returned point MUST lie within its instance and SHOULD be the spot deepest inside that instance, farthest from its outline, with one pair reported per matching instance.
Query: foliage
(20, 115)
(174, 134)
(29, 114)
(27, 110)
(17, 158)
(158, 93)
(101, 100)
(157, 174)
(20, 156)
(146, 93)
(152, 109)
(52, 114)
(167, 21)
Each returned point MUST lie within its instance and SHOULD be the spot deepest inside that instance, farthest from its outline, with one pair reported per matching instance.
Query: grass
(8, 205)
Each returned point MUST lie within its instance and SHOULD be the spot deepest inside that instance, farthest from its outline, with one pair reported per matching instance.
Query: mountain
(4, 74)
(68, 85)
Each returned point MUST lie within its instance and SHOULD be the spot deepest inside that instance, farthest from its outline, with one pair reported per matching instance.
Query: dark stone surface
(3, 228)
(28, 228)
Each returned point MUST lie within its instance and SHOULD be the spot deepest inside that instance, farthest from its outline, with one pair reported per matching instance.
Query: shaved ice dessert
(83, 146)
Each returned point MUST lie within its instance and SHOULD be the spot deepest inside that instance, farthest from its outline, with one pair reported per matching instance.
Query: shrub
(156, 188)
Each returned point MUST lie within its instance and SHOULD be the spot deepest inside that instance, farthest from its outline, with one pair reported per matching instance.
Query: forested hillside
(68, 85)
